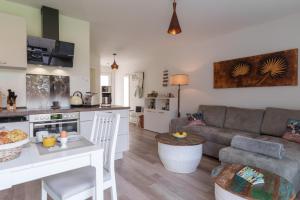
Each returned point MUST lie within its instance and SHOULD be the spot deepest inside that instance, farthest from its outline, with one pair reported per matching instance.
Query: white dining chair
(79, 184)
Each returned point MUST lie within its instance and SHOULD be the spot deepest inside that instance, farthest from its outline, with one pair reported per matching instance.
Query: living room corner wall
(196, 58)
(274, 36)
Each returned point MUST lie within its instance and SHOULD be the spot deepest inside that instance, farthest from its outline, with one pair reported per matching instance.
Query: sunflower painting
(273, 69)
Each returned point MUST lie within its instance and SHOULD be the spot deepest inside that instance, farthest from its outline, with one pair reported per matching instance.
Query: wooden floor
(141, 176)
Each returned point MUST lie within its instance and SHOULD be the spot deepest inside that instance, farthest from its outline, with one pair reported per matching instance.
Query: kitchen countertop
(25, 111)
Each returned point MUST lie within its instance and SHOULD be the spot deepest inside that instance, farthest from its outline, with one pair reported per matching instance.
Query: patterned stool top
(274, 188)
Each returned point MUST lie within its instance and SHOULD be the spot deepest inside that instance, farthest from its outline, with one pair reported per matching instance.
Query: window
(105, 80)
(126, 90)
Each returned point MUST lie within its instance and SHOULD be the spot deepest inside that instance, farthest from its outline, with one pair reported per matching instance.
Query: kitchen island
(31, 121)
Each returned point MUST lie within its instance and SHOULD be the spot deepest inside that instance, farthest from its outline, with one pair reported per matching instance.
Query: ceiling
(138, 27)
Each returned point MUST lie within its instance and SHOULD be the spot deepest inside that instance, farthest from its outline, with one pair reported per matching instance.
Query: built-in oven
(54, 123)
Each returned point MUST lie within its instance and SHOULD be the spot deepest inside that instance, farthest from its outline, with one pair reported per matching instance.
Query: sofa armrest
(177, 123)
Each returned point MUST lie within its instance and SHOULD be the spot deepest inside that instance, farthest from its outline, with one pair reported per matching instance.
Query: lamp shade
(174, 27)
(179, 79)
(114, 66)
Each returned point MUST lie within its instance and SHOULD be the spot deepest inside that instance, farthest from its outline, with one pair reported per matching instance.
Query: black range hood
(49, 50)
(50, 23)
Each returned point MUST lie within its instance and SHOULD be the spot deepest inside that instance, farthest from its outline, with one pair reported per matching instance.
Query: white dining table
(32, 166)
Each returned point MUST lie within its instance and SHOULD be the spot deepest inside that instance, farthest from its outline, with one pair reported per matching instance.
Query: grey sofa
(223, 123)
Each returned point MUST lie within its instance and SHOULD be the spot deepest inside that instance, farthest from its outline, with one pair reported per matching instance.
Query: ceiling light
(114, 66)
(174, 27)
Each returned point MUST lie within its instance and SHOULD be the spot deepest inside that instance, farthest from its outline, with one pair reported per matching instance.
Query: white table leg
(97, 162)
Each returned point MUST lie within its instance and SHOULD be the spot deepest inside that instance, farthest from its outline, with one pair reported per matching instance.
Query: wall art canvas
(272, 69)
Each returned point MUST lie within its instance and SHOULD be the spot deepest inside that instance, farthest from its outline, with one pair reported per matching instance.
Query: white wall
(197, 57)
(71, 30)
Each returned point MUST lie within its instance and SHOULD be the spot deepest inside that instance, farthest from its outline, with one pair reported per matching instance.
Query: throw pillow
(293, 131)
(196, 119)
(293, 126)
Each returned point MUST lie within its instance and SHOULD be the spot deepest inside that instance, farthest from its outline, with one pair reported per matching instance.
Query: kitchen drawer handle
(4, 63)
(108, 112)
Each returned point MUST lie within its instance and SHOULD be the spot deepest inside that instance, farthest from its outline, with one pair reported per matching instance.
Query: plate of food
(12, 139)
(180, 135)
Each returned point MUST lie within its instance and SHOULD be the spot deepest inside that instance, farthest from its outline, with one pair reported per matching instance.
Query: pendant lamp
(174, 27)
(114, 66)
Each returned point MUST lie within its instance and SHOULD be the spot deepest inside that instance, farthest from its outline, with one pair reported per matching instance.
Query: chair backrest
(104, 133)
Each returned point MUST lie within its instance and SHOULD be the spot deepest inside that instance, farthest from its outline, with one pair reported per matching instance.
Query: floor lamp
(179, 80)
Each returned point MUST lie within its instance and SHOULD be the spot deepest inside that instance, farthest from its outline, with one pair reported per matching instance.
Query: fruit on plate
(180, 134)
(13, 136)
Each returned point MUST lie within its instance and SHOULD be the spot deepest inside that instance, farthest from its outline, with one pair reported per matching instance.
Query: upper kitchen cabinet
(12, 41)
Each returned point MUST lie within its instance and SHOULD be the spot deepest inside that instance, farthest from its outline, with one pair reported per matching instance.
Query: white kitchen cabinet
(13, 53)
(122, 144)
(86, 122)
(149, 118)
(86, 129)
(87, 116)
(158, 114)
(123, 113)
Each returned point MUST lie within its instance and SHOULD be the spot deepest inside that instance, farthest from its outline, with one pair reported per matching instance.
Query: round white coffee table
(180, 155)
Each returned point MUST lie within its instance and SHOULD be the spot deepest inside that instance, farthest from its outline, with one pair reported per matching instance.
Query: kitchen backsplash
(42, 90)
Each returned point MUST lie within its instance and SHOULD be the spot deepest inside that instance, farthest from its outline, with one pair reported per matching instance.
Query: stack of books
(251, 175)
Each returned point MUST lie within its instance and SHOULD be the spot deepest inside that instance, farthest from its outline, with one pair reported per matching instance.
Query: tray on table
(81, 142)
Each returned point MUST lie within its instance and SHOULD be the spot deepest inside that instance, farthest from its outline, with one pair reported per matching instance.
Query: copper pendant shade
(174, 27)
(114, 66)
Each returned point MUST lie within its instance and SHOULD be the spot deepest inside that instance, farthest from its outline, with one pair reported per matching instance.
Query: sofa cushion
(217, 135)
(292, 149)
(213, 115)
(293, 126)
(275, 120)
(254, 145)
(244, 119)
(195, 119)
(292, 137)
